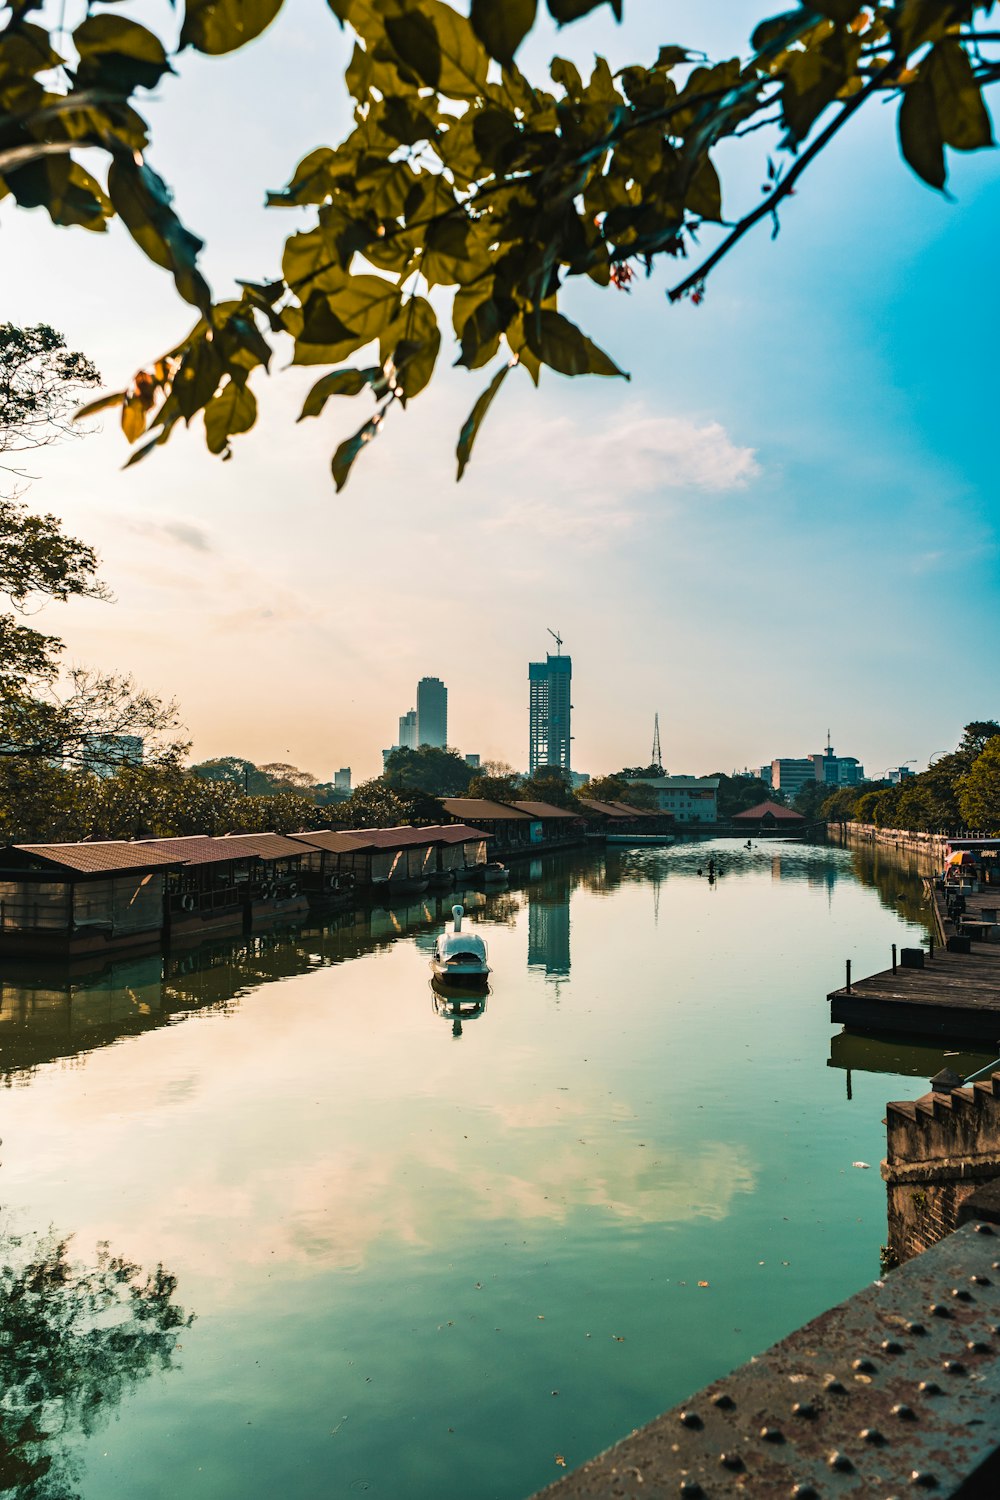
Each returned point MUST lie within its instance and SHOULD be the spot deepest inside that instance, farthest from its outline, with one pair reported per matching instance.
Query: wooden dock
(955, 996)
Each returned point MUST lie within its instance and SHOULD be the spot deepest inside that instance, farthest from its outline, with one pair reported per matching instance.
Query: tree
(737, 793)
(496, 781)
(441, 773)
(549, 784)
(979, 788)
(461, 174)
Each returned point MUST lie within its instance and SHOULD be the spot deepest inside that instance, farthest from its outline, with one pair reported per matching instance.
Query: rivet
(977, 1346)
(954, 1367)
(731, 1460)
(772, 1434)
(804, 1409)
(871, 1435)
(841, 1462)
(863, 1366)
(961, 1294)
(916, 1328)
(929, 1388)
(835, 1387)
(690, 1419)
(805, 1492)
(903, 1412)
(923, 1479)
(723, 1402)
(891, 1346)
(981, 1280)
(939, 1310)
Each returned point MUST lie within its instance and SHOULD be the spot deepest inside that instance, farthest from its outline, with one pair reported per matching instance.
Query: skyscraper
(408, 730)
(432, 713)
(549, 737)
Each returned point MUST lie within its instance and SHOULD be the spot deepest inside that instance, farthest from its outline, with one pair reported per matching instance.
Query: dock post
(930, 950)
(894, 958)
(847, 986)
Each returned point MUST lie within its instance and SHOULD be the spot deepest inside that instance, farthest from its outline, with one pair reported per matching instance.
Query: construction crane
(558, 640)
(657, 759)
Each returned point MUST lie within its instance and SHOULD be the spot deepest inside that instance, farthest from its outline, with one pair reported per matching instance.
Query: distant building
(342, 779)
(104, 754)
(408, 730)
(898, 774)
(473, 761)
(790, 776)
(432, 713)
(690, 799)
(549, 709)
(836, 770)
(765, 775)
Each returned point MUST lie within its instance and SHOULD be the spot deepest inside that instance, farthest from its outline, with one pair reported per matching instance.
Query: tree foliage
(463, 176)
(958, 791)
(441, 773)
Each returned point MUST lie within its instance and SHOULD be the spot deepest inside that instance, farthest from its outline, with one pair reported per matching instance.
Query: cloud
(181, 533)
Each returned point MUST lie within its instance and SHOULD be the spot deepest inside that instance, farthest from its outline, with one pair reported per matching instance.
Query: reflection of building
(549, 706)
(548, 930)
(432, 713)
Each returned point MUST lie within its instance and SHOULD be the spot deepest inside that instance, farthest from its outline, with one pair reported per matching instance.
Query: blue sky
(786, 520)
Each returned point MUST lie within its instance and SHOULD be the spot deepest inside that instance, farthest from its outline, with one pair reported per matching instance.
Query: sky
(786, 521)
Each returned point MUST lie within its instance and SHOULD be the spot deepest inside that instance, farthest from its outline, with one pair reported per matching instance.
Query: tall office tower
(549, 737)
(408, 730)
(432, 712)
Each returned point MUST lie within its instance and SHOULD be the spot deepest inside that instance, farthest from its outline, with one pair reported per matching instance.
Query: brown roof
(545, 810)
(480, 809)
(607, 809)
(331, 839)
(451, 833)
(199, 849)
(105, 857)
(754, 814)
(628, 811)
(266, 845)
(402, 837)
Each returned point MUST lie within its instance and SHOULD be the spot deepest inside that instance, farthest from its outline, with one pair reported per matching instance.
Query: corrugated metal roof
(330, 839)
(480, 809)
(608, 809)
(452, 833)
(267, 845)
(388, 838)
(545, 810)
(104, 858)
(634, 812)
(199, 849)
(762, 808)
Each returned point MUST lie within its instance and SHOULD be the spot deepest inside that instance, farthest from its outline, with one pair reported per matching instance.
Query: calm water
(429, 1257)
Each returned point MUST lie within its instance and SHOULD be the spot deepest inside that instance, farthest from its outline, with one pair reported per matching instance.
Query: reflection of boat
(460, 955)
(458, 1003)
(493, 873)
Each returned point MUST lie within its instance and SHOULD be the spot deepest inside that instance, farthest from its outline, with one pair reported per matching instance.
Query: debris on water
(619, 1338)
(560, 1461)
(862, 1164)
(703, 1283)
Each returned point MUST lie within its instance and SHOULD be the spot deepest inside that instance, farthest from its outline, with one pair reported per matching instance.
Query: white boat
(460, 955)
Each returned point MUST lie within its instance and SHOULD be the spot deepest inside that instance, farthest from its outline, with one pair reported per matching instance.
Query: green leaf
(562, 11)
(234, 409)
(218, 26)
(502, 25)
(101, 404)
(480, 336)
(337, 383)
(473, 421)
(559, 344)
(416, 352)
(961, 113)
(440, 46)
(118, 53)
(61, 186)
(350, 448)
(920, 134)
(142, 201)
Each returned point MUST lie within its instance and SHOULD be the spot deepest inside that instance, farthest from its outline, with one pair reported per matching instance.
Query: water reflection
(74, 1341)
(548, 926)
(456, 1005)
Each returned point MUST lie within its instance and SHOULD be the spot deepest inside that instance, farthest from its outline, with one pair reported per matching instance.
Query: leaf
(133, 418)
(349, 449)
(467, 436)
(142, 201)
(101, 404)
(441, 48)
(480, 335)
(961, 113)
(559, 344)
(120, 53)
(562, 11)
(412, 344)
(502, 25)
(920, 134)
(219, 26)
(234, 409)
(337, 383)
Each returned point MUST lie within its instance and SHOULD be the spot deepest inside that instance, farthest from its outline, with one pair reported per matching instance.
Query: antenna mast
(657, 752)
(558, 640)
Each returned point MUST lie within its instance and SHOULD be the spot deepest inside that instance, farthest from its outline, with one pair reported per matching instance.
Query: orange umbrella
(961, 857)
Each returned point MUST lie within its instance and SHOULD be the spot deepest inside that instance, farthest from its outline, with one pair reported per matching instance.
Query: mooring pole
(848, 984)
(894, 958)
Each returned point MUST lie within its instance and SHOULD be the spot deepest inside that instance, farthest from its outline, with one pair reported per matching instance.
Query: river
(415, 1255)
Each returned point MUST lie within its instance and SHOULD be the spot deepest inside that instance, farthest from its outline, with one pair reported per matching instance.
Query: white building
(689, 799)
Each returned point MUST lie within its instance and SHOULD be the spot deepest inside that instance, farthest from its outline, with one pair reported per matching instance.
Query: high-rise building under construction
(549, 706)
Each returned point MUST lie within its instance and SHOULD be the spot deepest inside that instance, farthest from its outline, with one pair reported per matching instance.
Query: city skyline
(646, 518)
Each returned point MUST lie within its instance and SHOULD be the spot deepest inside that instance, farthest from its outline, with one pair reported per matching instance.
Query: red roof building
(768, 812)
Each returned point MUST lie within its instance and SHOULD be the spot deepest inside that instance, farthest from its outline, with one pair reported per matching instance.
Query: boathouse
(64, 899)
(212, 891)
(769, 817)
(554, 827)
(614, 817)
(276, 879)
(507, 828)
(382, 861)
(459, 852)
